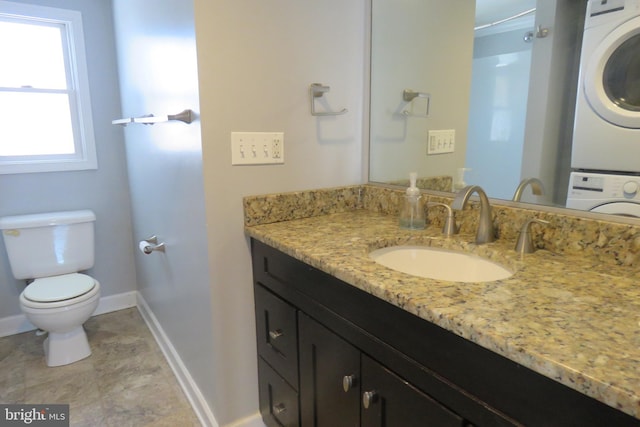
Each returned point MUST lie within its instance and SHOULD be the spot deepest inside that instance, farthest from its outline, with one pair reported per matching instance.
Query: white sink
(439, 264)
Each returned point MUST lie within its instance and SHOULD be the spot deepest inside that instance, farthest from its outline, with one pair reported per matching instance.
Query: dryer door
(612, 76)
(619, 208)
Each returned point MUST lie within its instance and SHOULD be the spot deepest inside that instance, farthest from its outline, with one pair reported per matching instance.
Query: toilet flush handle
(150, 245)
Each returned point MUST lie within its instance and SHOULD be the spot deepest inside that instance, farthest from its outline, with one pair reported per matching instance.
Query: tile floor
(125, 382)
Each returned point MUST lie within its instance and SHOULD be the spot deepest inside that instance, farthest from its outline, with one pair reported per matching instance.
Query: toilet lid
(59, 288)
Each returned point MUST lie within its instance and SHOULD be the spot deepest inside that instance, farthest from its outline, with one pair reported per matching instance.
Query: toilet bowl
(60, 305)
(49, 250)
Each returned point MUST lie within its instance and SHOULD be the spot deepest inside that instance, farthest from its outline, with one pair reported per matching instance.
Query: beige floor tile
(183, 418)
(37, 371)
(90, 414)
(125, 382)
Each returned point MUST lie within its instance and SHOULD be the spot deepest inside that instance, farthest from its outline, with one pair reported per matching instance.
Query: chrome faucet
(485, 232)
(524, 245)
(536, 188)
(450, 228)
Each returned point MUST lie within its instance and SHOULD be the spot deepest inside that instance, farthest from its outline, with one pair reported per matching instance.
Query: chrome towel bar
(186, 116)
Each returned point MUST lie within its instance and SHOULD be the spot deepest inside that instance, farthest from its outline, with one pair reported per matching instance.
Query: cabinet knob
(368, 398)
(279, 408)
(348, 382)
(276, 334)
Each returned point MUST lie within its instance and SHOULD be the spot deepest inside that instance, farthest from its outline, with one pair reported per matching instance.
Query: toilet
(49, 251)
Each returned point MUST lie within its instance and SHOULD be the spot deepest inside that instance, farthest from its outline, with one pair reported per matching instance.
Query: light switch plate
(257, 148)
(441, 141)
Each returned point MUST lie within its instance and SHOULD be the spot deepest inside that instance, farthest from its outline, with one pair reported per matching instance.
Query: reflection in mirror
(499, 79)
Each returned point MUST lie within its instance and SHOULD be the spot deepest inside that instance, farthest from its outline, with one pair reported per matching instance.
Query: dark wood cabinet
(388, 400)
(342, 387)
(278, 400)
(329, 377)
(310, 376)
(277, 333)
(318, 336)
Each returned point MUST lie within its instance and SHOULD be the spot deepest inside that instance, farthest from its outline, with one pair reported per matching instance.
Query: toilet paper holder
(150, 245)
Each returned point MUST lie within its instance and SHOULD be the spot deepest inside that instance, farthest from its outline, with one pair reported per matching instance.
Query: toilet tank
(49, 244)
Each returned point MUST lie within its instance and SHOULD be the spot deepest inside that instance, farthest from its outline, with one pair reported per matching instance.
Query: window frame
(84, 157)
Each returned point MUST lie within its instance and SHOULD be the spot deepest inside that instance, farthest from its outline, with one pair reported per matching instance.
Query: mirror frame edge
(366, 99)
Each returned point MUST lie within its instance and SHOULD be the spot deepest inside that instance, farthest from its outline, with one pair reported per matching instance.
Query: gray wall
(256, 60)
(158, 74)
(105, 190)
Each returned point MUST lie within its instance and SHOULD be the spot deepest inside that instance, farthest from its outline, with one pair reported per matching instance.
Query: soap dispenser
(459, 183)
(412, 214)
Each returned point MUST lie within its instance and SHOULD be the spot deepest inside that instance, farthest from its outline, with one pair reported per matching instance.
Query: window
(45, 110)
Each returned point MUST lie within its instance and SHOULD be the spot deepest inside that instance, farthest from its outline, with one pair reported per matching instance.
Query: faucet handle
(524, 245)
(450, 228)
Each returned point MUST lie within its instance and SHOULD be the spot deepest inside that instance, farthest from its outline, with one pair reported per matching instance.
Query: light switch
(257, 148)
(441, 141)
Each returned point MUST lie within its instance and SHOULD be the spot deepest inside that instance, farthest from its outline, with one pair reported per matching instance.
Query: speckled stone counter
(571, 315)
(436, 183)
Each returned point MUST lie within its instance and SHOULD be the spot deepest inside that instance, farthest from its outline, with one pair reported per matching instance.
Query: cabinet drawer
(277, 334)
(278, 400)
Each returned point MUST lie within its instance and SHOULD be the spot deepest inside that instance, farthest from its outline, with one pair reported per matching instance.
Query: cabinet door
(389, 401)
(329, 377)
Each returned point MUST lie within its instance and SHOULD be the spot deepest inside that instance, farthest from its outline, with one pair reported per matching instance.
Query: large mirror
(479, 92)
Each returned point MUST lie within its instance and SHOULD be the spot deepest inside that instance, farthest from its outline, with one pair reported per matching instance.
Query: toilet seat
(58, 291)
(59, 288)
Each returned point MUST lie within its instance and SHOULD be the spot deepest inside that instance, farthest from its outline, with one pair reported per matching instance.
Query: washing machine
(606, 132)
(605, 193)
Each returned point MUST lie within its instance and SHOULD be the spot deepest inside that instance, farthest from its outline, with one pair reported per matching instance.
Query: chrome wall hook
(539, 33)
(317, 90)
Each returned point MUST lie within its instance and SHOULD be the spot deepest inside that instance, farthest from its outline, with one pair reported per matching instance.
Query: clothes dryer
(607, 122)
(605, 193)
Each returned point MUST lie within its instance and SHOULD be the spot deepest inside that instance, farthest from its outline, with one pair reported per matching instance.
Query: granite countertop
(565, 316)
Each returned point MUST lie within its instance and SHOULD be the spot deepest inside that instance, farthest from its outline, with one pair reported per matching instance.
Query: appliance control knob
(630, 188)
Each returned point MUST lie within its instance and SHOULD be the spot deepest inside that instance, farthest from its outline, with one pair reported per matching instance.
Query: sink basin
(439, 264)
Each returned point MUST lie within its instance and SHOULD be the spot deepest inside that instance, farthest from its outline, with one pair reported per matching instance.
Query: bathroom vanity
(343, 341)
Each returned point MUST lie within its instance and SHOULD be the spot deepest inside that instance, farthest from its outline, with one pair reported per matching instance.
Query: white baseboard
(18, 323)
(254, 420)
(116, 302)
(190, 388)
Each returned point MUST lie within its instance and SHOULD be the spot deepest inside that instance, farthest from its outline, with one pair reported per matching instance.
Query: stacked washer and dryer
(605, 155)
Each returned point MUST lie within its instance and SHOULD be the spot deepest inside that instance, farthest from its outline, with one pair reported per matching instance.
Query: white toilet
(50, 249)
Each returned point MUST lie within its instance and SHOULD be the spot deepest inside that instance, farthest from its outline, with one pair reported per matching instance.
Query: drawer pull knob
(369, 398)
(276, 334)
(348, 382)
(279, 409)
